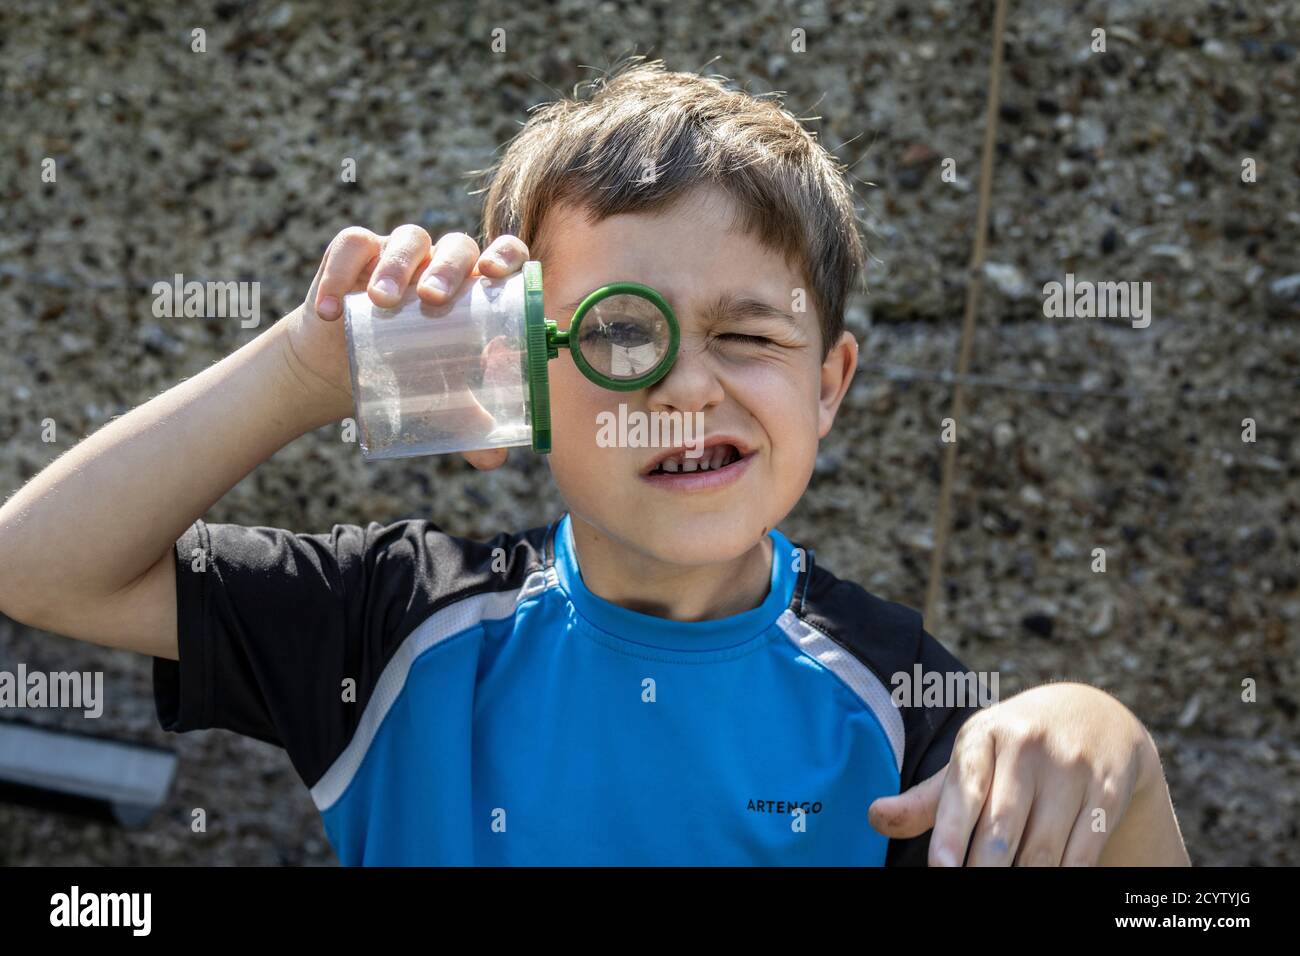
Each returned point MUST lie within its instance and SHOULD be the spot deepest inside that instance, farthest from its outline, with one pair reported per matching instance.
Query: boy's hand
(1026, 780)
(385, 267)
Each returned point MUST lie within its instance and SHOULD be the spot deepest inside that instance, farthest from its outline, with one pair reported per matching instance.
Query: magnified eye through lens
(623, 337)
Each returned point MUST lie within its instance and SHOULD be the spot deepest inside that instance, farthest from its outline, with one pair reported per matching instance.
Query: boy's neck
(638, 582)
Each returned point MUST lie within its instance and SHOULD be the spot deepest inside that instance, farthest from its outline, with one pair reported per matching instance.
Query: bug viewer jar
(471, 374)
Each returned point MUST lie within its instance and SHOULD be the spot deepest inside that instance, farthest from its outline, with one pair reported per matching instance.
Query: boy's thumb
(911, 812)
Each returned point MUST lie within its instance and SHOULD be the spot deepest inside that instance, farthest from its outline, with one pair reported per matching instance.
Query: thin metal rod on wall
(943, 516)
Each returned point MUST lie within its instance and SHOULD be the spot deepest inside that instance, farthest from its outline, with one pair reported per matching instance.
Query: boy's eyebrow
(727, 306)
(745, 307)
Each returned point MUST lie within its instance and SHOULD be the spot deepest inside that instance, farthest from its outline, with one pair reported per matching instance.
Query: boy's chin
(697, 540)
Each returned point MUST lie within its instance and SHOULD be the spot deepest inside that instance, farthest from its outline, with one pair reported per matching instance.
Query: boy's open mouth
(722, 461)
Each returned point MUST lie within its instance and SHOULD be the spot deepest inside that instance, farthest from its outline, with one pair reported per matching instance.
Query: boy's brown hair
(685, 131)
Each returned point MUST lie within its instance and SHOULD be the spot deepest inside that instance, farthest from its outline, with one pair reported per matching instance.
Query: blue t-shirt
(457, 702)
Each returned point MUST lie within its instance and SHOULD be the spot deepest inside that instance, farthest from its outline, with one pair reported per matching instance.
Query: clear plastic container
(431, 380)
(472, 374)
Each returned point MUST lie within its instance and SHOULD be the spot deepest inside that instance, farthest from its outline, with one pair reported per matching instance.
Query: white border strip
(447, 622)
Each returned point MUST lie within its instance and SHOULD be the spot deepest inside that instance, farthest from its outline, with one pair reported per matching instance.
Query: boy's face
(758, 380)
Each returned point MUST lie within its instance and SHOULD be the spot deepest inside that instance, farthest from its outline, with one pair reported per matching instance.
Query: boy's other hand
(384, 267)
(1060, 775)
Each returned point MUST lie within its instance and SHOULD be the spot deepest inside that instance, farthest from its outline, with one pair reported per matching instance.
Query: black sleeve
(270, 624)
(931, 732)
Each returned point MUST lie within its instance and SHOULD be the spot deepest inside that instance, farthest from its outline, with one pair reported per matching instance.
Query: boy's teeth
(709, 461)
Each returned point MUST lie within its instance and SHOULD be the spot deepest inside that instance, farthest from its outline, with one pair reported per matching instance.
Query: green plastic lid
(539, 382)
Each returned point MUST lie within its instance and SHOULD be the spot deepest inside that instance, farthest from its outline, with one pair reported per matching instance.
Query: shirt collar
(660, 632)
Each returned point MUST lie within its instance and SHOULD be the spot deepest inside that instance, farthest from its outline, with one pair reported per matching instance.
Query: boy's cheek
(788, 421)
(584, 470)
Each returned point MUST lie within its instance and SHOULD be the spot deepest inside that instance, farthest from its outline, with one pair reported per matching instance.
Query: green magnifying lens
(623, 337)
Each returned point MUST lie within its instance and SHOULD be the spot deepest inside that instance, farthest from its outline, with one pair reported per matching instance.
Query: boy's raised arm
(86, 547)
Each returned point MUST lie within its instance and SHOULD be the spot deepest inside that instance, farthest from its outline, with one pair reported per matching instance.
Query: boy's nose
(691, 385)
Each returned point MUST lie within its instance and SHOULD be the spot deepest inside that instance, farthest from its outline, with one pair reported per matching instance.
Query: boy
(659, 676)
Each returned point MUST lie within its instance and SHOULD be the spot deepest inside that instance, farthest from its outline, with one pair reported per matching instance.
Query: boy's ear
(840, 364)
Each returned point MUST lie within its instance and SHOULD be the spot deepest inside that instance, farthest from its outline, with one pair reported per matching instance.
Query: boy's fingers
(452, 260)
(404, 251)
(910, 813)
(504, 256)
(350, 251)
(1051, 819)
(970, 773)
(487, 459)
(1102, 809)
(997, 835)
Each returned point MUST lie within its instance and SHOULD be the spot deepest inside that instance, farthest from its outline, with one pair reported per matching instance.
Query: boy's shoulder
(890, 640)
(882, 632)
(414, 556)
